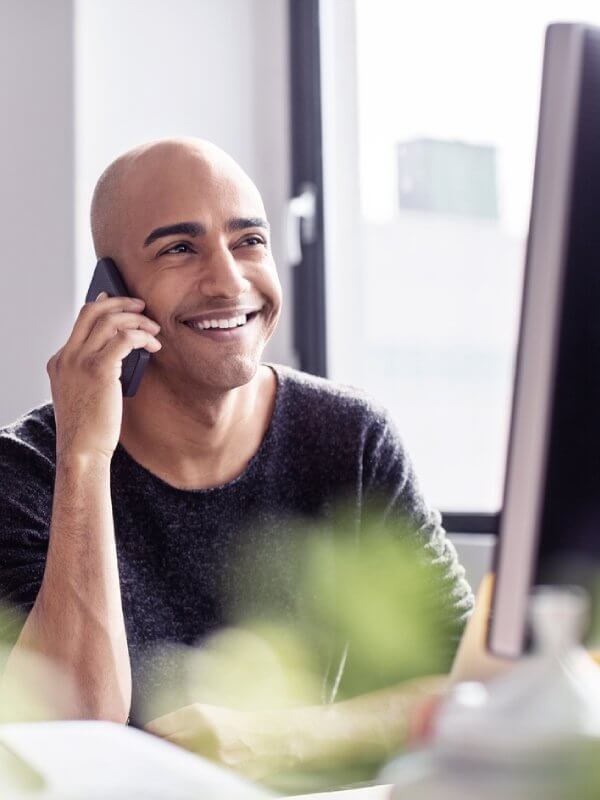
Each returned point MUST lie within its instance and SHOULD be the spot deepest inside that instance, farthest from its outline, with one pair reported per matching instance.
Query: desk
(363, 793)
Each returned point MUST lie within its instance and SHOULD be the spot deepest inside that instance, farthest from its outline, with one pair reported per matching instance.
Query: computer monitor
(549, 530)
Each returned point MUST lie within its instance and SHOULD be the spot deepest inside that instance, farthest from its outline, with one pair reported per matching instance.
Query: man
(120, 519)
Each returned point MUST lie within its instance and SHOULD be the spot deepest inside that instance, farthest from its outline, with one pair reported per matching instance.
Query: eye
(173, 249)
(253, 240)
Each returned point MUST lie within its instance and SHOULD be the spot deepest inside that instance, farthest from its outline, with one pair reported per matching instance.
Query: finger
(53, 360)
(125, 341)
(90, 312)
(108, 326)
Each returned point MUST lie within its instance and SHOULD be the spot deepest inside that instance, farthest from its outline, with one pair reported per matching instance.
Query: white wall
(83, 80)
(36, 196)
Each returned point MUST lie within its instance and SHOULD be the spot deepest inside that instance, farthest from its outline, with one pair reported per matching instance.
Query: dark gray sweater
(178, 548)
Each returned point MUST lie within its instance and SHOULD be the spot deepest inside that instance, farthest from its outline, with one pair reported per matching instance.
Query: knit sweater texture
(179, 550)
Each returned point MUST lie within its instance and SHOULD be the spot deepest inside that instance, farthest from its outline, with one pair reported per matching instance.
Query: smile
(224, 329)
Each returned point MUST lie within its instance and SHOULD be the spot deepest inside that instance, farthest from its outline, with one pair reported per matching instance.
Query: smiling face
(191, 238)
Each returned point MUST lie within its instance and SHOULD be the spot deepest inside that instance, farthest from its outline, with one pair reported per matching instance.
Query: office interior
(393, 145)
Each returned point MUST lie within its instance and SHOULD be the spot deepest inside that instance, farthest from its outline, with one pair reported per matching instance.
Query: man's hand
(84, 374)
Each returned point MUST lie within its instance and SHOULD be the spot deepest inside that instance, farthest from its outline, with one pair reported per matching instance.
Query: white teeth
(234, 322)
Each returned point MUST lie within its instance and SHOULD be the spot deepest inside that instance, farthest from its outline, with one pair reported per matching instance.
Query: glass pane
(430, 117)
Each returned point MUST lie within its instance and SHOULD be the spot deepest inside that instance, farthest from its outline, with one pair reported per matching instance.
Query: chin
(227, 374)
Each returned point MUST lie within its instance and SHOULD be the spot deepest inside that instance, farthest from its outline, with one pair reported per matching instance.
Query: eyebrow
(194, 229)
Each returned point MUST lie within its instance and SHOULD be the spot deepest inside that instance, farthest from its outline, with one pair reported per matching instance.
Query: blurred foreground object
(378, 598)
(108, 761)
(534, 732)
(37, 689)
(360, 793)
(473, 661)
(252, 696)
(302, 749)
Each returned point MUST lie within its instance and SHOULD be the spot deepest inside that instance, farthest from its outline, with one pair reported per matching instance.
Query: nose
(222, 276)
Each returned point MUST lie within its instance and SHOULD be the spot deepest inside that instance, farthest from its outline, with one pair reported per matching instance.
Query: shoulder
(329, 403)
(29, 441)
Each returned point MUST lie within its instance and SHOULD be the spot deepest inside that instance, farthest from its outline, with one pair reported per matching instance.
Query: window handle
(301, 221)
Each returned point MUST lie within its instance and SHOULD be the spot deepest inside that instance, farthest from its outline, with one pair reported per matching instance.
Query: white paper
(107, 761)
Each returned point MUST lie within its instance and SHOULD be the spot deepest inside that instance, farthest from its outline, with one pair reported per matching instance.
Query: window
(429, 119)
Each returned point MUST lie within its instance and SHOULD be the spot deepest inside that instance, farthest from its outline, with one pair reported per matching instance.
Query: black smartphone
(107, 278)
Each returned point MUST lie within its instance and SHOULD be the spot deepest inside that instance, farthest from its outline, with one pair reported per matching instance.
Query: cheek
(270, 284)
(164, 294)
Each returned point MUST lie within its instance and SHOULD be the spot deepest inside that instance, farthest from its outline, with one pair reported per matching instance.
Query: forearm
(363, 730)
(77, 619)
(369, 727)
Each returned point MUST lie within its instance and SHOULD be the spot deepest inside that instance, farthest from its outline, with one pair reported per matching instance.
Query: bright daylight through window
(429, 123)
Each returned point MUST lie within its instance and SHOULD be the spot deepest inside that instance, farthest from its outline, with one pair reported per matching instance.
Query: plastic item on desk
(534, 732)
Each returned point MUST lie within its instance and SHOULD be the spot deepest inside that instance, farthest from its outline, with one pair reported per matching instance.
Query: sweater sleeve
(390, 482)
(26, 481)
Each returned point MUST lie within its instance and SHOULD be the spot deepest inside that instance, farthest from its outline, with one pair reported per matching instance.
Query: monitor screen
(550, 521)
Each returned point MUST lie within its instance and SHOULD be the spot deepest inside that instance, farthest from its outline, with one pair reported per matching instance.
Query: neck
(201, 438)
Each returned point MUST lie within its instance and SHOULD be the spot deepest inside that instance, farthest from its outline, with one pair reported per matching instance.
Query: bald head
(188, 231)
(152, 173)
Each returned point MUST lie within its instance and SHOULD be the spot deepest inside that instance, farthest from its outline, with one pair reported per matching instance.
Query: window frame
(309, 280)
